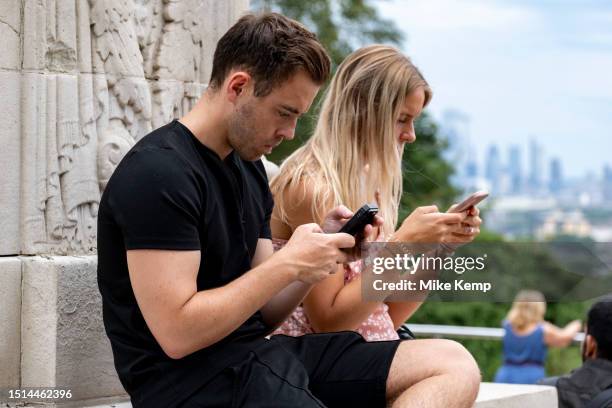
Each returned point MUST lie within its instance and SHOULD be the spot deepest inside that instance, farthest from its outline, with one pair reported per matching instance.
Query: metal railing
(466, 332)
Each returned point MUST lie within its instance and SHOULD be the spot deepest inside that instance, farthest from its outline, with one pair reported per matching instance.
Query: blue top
(524, 356)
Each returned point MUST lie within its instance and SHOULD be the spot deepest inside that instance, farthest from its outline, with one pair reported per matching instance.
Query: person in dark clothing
(190, 284)
(583, 384)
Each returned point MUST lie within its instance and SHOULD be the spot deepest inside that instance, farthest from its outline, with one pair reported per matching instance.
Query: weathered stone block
(34, 34)
(63, 339)
(10, 311)
(10, 32)
(515, 396)
(10, 130)
(238, 9)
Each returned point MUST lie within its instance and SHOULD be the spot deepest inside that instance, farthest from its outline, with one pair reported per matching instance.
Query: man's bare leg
(432, 373)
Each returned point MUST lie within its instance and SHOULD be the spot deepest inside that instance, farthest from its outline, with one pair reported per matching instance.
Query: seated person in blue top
(527, 338)
(594, 378)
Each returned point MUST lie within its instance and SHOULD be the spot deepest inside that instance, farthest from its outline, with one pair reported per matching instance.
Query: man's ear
(237, 84)
(590, 348)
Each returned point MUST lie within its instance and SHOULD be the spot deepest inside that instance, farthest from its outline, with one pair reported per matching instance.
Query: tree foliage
(341, 26)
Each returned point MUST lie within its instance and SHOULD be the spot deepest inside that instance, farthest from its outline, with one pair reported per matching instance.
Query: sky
(518, 69)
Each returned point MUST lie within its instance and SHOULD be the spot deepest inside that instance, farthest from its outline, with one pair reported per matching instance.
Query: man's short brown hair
(271, 48)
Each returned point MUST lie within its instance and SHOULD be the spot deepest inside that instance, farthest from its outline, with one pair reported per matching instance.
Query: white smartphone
(471, 201)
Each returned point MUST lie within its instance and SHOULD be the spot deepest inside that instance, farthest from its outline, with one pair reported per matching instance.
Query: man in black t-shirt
(189, 282)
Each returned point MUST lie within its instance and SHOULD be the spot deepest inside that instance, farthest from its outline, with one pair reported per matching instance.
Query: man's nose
(287, 133)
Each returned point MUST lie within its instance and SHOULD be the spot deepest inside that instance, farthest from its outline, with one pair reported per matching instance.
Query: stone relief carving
(99, 75)
(123, 101)
(150, 54)
(103, 73)
(60, 186)
(181, 42)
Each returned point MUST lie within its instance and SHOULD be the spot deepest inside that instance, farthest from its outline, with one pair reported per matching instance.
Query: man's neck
(208, 125)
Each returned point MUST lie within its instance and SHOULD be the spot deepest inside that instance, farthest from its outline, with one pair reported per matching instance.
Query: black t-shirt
(172, 192)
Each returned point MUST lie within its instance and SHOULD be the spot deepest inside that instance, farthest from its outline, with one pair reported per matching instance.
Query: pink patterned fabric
(377, 327)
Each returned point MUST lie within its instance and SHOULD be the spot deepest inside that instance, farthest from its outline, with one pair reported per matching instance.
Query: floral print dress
(377, 327)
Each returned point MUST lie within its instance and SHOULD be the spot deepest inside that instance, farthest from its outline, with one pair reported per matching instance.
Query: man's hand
(315, 254)
(336, 218)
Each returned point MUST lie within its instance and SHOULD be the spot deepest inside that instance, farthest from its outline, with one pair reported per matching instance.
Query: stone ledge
(493, 395)
(490, 396)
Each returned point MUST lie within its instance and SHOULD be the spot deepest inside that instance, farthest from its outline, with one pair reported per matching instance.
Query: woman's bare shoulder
(302, 200)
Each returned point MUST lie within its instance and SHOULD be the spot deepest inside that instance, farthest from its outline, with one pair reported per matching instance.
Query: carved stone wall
(80, 82)
(83, 81)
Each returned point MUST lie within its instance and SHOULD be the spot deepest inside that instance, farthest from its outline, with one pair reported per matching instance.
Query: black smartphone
(363, 216)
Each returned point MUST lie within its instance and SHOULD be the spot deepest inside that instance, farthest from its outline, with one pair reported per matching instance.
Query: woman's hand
(428, 225)
(468, 230)
(470, 226)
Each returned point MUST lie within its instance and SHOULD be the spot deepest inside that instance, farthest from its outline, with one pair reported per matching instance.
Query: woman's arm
(330, 305)
(401, 311)
(333, 306)
(560, 337)
(416, 229)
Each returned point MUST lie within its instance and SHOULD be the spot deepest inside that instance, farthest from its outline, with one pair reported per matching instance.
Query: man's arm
(277, 309)
(184, 320)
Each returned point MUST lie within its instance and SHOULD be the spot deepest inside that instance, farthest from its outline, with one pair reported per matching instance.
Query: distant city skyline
(518, 70)
(514, 170)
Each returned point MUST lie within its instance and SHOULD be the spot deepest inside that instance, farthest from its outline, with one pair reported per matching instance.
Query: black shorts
(315, 370)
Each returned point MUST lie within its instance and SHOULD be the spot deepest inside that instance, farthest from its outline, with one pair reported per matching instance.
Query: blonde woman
(527, 337)
(354, 157)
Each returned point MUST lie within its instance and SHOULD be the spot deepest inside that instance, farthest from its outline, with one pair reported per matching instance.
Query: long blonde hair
(529, 307)
(354, 151)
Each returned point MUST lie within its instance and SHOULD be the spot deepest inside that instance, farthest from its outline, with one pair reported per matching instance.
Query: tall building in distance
(493, 169)
(607, 183)
(535, 168)
(515, 170)
(556, 176)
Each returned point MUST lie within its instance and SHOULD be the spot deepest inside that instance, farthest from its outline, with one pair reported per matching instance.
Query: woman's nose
(408, 137)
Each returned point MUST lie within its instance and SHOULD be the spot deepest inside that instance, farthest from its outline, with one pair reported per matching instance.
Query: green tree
(335, 22)
(343, 26)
